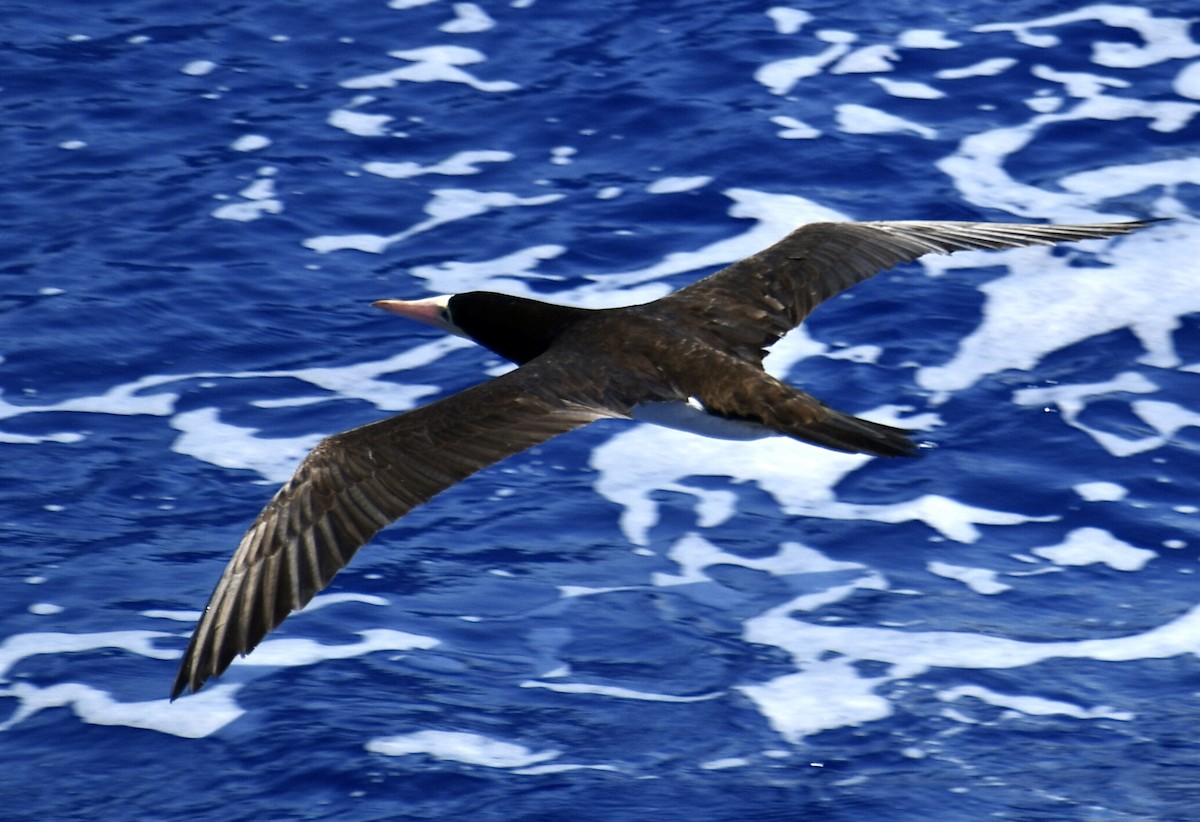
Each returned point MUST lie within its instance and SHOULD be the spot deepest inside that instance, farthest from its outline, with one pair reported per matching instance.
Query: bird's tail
(846, 432)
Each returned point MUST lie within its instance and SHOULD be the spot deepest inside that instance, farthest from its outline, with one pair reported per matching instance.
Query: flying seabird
(692, 359)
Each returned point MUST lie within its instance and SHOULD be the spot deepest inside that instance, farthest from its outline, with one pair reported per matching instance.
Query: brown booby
(692, 359)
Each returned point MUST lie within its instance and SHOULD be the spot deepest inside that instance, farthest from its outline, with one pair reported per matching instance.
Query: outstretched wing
(355, 483)
(755, 301)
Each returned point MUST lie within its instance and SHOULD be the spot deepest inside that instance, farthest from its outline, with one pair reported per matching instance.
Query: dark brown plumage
(702, 345)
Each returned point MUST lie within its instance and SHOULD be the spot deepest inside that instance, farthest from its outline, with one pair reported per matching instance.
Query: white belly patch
(691, 416)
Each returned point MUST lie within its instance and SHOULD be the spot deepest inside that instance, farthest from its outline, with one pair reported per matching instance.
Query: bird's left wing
(355, 483)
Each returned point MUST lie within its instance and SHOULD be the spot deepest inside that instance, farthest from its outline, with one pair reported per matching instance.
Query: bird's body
(692, 359)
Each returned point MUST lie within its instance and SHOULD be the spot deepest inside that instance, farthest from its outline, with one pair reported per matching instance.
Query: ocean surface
(627, 623)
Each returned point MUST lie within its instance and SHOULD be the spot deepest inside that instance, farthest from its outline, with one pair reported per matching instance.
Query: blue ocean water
(626, 623)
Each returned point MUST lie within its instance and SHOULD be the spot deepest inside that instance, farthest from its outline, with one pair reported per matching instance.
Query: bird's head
(516, 328)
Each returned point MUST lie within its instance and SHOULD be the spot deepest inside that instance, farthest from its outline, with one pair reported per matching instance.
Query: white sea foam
(510, 274)
(198, 68)
(469, 18)
(774, 216)
(1141, 282)
(979, 580)
(432, 64)
(794, 129)
(1187, 82)
(1101, 491)
(614, 692)
(1031, 705)
(854, 118)
(197, 715)
(788, 20)
(867, 60)
(725, 764)
(258, 199)
(462, 163)
(832, 580)
(978, 166)
(562, 155)
(447, 205)
(926, 39)
(798, 704)
(18, 647)
(202, 715)
(984, 68)
(1091, 546)
(908, 88)
(459, 746)
(801, 704)
(250, 142)
(326, 600)
(1163, 38)
(799, 477)
(781, 76)
(292, 652)
(1072, 399)
(359, 123)
(693, 554)
(30, 439)
(206, 437)
(121, 399)
(676, 185)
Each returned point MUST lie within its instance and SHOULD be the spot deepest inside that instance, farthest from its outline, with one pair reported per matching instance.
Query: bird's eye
(445, 315)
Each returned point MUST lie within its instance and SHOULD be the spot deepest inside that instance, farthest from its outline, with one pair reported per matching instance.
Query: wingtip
(188, 680)
(855, 435)
(1130, 226)
(182, 687)
(901, 446)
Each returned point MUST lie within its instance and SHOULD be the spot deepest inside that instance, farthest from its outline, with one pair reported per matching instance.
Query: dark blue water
(626, 623)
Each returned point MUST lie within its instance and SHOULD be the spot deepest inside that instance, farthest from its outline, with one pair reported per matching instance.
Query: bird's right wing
(754, 302)
(355, 483)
